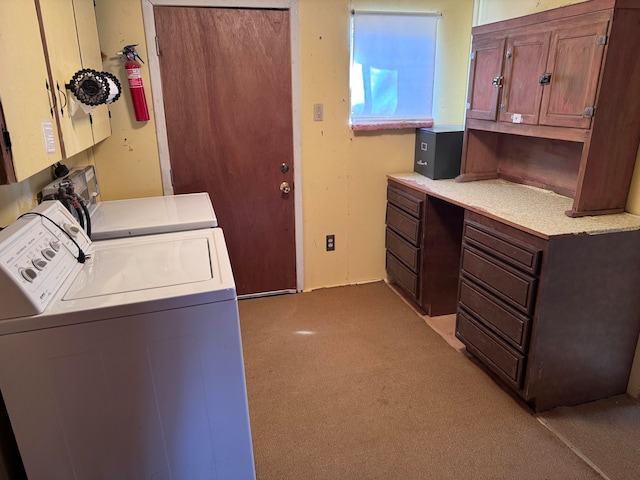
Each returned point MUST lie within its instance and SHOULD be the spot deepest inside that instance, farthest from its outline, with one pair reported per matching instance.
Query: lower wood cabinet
(423, 238)
(556, 320)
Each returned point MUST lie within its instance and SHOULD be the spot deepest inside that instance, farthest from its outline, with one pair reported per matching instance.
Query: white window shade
(392, 69)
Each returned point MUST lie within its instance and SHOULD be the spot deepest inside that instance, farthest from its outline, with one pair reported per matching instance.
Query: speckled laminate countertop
(538, 211)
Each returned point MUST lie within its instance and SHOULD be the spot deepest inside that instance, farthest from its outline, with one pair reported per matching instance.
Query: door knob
(284, 187)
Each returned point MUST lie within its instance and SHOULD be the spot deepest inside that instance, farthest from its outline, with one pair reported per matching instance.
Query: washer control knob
(55, 244)
(29, 274)
(48, 253)
(39, 263)
(72, 229)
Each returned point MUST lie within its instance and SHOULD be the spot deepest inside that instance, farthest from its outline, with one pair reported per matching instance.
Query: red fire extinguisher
(135, 83)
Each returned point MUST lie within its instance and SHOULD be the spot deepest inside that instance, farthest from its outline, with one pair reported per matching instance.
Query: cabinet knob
(497, 82)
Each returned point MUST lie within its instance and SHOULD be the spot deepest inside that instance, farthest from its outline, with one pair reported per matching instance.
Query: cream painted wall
(21, 197)
(127, 163)
(344, 174)
(487, 11)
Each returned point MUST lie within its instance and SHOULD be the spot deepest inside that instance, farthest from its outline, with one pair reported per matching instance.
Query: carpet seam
(572, 447)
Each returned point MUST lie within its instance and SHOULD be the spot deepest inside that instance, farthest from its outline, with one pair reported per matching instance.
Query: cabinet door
(575, 58)
(26, 102)
(485, 77)
(524, 63)
(58, 22)
(91, 57)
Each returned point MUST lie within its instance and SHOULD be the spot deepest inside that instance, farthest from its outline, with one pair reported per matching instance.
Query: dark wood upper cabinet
(484, 77)
(549, 103)
(524, 63)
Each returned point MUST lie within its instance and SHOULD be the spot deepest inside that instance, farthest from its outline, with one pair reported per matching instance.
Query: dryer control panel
(38, 253)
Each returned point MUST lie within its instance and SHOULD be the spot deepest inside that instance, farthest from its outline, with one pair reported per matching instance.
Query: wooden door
(575, 58)
(524, 62)
(226, 79)
(485, 74)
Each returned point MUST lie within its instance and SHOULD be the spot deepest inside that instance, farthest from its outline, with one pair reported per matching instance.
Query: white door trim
(158, 101)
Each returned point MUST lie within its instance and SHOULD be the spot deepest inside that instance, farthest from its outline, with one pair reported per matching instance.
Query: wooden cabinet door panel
(485, 66)
(58, 22)
(575, 58)
(524, 63)
(89, 45)
(26, 103)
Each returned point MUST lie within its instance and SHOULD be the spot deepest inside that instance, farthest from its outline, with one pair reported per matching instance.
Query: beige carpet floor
(349, 383)
(606, 433)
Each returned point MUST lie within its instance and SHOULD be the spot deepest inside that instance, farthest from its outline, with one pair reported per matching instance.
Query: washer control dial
(29, 274)
(39, 263)
(55, 244)
(71, 229)
(48, 253)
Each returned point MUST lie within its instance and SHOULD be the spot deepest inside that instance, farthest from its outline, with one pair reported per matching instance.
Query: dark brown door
(485, 77)
(226, 80)
(524, 63)
(574, 63)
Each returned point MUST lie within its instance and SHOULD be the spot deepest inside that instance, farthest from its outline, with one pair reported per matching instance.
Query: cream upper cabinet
(26, 102)
(63, 50)
(91, 57)
(43, 43)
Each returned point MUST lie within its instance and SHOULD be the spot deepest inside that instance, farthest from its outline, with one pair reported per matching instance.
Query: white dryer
(128, 365)
(151, 215)
(136, 216)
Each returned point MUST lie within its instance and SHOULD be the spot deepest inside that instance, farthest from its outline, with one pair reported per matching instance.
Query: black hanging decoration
(94, 88)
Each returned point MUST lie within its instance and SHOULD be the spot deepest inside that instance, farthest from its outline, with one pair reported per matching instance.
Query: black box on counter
(438, 151)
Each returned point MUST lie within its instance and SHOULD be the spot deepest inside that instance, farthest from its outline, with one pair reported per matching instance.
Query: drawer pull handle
(420, 162)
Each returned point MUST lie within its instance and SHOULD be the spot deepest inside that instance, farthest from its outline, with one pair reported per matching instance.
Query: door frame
(158, 100)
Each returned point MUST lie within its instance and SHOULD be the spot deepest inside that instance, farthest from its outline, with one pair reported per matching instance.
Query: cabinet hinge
(602, 40)
(157, 47)
(468, 106)
(589, 112)
(7, 140)
(472, 55)
(171, 177)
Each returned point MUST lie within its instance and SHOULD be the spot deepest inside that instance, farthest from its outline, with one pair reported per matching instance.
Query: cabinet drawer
(403, 276)
(507, 249)
(507, 283)
(493, 352)
(405, 201)
(502, 319)
(403, 224)
(403, 250)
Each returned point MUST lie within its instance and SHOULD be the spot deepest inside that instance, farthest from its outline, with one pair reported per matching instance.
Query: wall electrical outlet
(318, 112)
(331, 243)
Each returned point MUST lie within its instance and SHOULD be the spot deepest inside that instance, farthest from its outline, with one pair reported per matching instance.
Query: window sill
(397, 125)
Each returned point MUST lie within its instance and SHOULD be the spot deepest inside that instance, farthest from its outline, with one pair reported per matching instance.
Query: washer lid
(151, 215)
(137, 267)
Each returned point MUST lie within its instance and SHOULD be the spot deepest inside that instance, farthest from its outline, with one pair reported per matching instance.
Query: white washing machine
(137, 216)
(128, 365)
